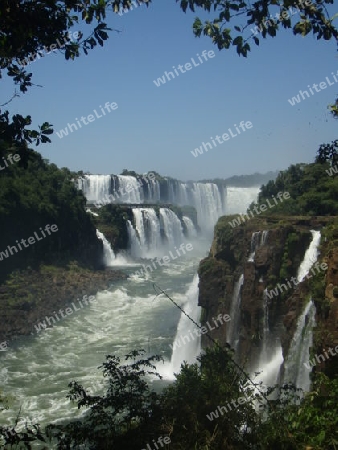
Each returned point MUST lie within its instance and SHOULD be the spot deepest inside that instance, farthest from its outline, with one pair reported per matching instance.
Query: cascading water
(310, 257)
(187, 345)
(108, 253)
(190, 227)
(255, 243)
(95, 187)
(131, 189)
(134, 242)
(233, 328)
(123, 318)
(238, 199)
(172, 227)
(271, 353)
(295, 370)
(209, 199)
(148, 229)
(154, 235)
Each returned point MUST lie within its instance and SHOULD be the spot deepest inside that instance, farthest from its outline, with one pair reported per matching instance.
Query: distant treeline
(256, 179)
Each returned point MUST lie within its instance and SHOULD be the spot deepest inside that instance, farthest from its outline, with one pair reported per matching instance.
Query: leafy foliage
(314, 18)
(313, 192)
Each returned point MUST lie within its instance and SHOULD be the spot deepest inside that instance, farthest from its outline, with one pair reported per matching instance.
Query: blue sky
(155, 128)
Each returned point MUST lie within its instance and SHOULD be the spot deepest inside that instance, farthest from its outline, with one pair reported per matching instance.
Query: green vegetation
(313, 192)
(211, 405)
(34, 193)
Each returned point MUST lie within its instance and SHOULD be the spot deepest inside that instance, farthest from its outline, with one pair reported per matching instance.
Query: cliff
(278, 255)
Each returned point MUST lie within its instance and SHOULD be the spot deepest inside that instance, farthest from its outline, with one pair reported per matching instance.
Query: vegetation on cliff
(36, 193)
(313, 187)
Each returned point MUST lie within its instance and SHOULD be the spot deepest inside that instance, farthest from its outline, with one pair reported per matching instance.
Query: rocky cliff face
(278, 254)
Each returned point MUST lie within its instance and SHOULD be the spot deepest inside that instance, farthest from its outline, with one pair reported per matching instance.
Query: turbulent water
(36, 370)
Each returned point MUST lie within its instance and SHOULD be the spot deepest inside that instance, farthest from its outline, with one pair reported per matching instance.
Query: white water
(37, 369)
(310, 257)
(298, 354)
(190, 227)
(239, 199)
(209, 199)
(130, 190)
(147, 241)
(108, 253)
(172, 227)
(233, 326)
(95, 187)
(258, 239)
(271, 355)
(186, 345)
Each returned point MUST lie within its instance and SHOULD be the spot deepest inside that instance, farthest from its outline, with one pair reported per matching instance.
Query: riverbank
(29, 295)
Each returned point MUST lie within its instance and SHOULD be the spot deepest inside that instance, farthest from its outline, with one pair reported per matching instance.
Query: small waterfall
(294, 369)
(190, 227)
(108, 254)
(264, 237)
(299, 352)
(310, 257)
(131, 188)
(235, 312)
(266, 327)
(153, 194)
(154, 235)
(95, 187)
(172, 227)
(207, 200)
(258, 239)
(187, 345)
(271, 353)
(148, 229)
(134, 242)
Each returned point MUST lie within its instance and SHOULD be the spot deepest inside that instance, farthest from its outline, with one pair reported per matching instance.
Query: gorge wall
(252, 259)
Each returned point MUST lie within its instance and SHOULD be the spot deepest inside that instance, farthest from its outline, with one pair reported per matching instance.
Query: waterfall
(108, 254)
(148, 229)
(310, 257)
(131, 189)
(153, 235)
(153, 194)
(190, 227)
(209, 199)
(238, 199)
(271, 353)
(134, 242)
(172, 227)
(299, 352)
(95, 187)
(233, 327)
(187, 345)
(255, 239)
(258, 239)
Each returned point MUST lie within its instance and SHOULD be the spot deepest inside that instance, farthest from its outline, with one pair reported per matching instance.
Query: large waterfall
(211, 200)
